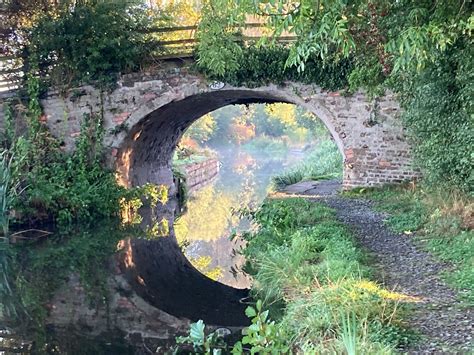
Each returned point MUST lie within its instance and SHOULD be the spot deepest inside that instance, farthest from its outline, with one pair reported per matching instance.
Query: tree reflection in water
(205, 229)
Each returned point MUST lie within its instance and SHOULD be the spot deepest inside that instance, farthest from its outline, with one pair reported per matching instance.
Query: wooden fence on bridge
(173, 42)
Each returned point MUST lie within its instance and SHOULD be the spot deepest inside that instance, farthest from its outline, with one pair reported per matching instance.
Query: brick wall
(146, 115)
(200, 174)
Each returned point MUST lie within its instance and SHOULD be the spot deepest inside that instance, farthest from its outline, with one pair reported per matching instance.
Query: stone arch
(144, 156)
(144, 119)
(153, 137)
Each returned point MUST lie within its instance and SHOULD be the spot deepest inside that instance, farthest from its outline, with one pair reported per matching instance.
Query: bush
(64, 187)
(91, 41)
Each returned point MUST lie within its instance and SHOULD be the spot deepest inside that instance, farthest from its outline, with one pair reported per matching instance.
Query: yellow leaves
(372, 288)
(202, 129)
(130, 205)
(285, 113)
(156, 193)
(158, 229)
(207, 218)
(203, 263)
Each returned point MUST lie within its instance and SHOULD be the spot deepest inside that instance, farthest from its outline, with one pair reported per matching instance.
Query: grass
(443, 221)
(324, 162)
(316, 283)
(10, 305)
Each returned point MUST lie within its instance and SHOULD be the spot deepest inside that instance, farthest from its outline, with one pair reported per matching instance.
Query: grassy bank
(324, 162)
(316, 286)
(443, 221)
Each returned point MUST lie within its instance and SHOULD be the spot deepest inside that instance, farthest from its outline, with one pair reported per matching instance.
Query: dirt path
(403, 266)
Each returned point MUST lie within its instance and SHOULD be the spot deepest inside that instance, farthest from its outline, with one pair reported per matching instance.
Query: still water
(204, 231)
(212, 212)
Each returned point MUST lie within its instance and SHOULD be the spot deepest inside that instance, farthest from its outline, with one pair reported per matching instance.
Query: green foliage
(11, 305)
(64, 187)
(324, 162)
(287, 178)
(439, 116)
(202, 344)
(310, 275)
(349, 333)
(263, 336)
(224, 55)
(91, 41)
(321, 27)
(264, 65)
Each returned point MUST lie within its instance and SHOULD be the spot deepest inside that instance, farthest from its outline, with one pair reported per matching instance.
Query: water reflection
(205, 229)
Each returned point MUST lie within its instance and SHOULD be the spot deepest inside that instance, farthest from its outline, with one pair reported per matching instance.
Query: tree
(404, 45)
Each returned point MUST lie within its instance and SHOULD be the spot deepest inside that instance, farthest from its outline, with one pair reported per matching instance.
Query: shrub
(91, 41)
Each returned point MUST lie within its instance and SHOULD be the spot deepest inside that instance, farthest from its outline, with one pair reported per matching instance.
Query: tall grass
(8, 304)
(324, 162)
(349, 333)
(308, 271)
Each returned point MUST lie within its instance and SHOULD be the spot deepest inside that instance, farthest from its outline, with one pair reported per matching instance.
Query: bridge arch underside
(158, 270)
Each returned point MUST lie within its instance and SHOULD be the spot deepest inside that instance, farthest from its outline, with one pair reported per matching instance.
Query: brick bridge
(147, 114)
(144, 119)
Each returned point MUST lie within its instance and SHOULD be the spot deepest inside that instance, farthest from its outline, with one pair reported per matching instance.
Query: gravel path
(447, 327)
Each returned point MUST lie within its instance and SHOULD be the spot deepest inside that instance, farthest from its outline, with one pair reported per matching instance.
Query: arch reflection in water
(250, 152)
(252, 143)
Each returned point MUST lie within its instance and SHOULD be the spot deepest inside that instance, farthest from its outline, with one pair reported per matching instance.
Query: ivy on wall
(264, 65)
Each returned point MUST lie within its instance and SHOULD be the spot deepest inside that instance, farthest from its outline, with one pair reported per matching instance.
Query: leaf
(196, 333)
(250, 312)
(237, 349)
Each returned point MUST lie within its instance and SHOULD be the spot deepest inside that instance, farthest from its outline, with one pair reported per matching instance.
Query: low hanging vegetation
(421, 50)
